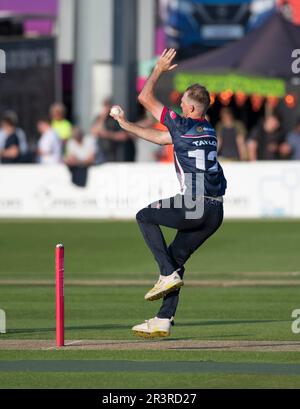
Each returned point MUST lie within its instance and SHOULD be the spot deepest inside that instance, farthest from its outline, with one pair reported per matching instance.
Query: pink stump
(60, 314)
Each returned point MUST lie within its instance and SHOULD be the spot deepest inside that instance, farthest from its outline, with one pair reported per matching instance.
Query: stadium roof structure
(259, 63)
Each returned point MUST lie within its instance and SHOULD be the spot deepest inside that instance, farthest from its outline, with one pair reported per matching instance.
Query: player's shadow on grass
(225, 322)
(126, 327)
(69, 328)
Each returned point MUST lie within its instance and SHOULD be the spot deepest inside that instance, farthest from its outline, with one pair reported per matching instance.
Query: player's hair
(198, 93)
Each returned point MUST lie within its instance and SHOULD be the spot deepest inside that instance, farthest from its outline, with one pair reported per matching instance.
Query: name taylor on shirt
(203, 142)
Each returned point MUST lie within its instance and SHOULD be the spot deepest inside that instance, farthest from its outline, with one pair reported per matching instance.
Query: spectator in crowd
(100, 158)
(291, 148)
(23, 145)
(81, 152)
(2, 138)
(10, 151)
(175, 101)
(145, 151)
(265, 139)
(59, 123)
(112, 137)
(49, 145)
(81, 149)
(231, 136)
(166, 152)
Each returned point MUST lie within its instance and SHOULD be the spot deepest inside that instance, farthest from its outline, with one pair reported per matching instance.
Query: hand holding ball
(115, 111)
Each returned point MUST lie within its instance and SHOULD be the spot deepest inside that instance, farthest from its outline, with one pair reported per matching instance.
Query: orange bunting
(256, 102)
(225, 97)
(273, 101)
(290, 101)
(240, 98)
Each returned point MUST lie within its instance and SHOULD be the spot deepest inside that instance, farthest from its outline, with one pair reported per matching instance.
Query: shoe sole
(147, 335)
(165, 292)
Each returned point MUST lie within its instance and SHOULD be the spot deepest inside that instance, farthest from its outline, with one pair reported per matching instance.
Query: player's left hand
(164, 63)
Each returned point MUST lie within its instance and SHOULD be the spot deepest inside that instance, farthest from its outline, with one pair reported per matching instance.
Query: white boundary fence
(255, 190)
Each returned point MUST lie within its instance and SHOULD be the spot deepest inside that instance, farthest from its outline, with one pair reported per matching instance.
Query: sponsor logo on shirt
(173, 114)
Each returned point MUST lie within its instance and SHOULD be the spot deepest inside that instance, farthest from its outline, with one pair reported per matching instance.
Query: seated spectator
(81, 149)
(265, 139)
(291, 148)
(59, 123)
(10, 151)
(231, 136)
(81, 152)
(49, 145)
(23, 145)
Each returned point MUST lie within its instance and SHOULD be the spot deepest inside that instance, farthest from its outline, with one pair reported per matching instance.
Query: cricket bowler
(197, 212)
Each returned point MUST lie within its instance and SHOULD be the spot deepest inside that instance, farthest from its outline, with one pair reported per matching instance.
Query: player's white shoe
(164, 285)
(153, 328)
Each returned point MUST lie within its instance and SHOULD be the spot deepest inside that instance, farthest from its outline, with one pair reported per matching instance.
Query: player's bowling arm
(146, 96)
(148, 134)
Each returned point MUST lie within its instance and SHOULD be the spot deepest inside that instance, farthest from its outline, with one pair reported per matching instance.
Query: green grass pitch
(263, 252)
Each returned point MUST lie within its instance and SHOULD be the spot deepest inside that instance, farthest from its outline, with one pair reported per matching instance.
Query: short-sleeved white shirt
(82, 151)
(50, 144)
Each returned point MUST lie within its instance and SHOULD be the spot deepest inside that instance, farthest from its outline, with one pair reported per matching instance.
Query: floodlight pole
(125, 56)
